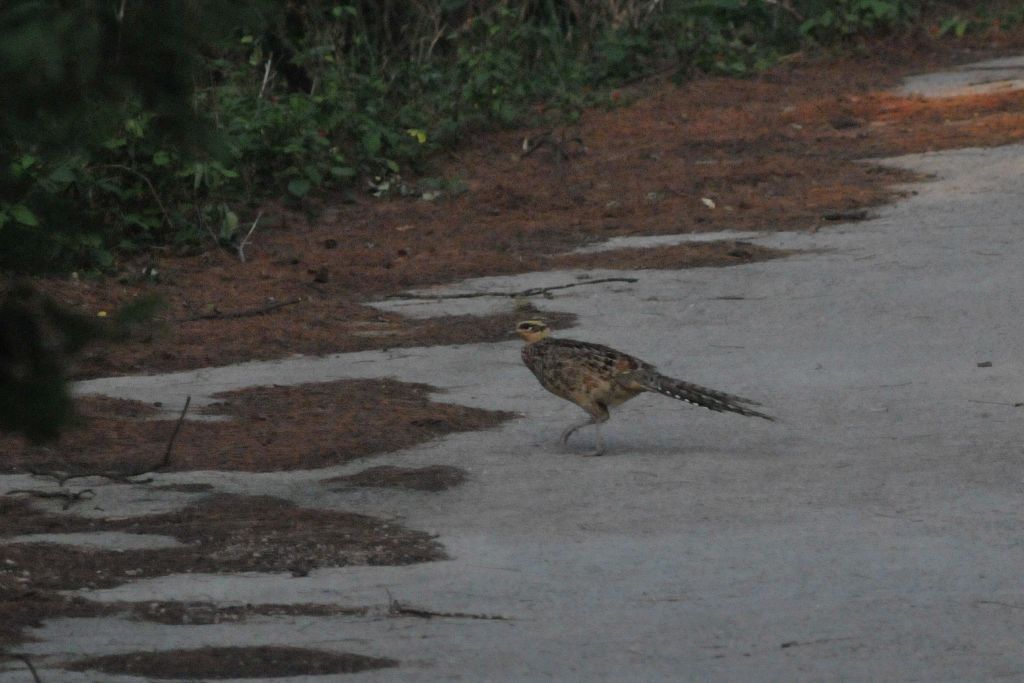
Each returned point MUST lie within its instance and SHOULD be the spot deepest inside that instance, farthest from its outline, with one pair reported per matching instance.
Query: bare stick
(24, 658)
(395, 608)
(241, 245)
(124, 477)
(69, 497)
(247, 313)
(533, 291)
(170, 442)
(266, 76)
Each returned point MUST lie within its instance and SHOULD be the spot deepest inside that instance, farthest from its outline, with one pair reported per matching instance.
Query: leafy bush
(133, 124)
(845, 18)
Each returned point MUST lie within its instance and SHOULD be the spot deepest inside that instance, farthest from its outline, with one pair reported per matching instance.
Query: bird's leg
(572, 430)
(599, 450)
(598, 414)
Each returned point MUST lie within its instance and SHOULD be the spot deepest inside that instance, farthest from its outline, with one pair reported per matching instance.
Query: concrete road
(875, 533)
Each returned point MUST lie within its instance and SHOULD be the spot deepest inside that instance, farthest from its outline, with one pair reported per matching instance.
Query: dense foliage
(129, 123)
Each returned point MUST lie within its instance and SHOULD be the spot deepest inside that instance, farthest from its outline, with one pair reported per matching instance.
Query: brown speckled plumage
(597, 377)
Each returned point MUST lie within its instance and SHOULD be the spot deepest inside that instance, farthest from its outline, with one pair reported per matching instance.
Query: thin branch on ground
(999, 604)
(247, 313)
(820, 641)
(174, 435)
(69, 497)
(533, 291)
(397, 609)
(559, 146)
(124, 477)
(24, 657)
(245, 240)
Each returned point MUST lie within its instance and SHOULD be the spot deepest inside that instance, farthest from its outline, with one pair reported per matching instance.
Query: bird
(597, 377)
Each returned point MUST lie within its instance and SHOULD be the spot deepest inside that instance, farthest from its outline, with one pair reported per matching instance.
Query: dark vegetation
(130, 126)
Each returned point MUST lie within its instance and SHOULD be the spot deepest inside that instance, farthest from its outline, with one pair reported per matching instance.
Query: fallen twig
(69, 497)
(249, 312)
(800, 643)
(533, 291)
(559, 146)
(174, 435)
(24, 657)
(125, 477)
(999, 604)
(396, 608)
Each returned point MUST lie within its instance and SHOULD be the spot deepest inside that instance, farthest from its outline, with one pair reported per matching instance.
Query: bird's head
(532, 330)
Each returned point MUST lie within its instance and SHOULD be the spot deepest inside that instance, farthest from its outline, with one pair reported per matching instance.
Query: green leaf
(135, 127)
(342, 172)
(24, 215)
(299, 187)
(371, 142)
(62, 175)
(161, 158)
(22, 164)
(229, 226)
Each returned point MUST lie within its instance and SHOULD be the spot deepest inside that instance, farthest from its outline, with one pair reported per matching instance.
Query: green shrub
(168, 124)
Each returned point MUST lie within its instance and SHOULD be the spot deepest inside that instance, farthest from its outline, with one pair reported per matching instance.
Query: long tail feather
(700, 396)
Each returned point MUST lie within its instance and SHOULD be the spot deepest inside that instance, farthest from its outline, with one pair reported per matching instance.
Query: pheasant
(597, 377)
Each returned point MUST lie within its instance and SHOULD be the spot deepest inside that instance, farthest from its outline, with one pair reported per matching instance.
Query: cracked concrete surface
(873, 534)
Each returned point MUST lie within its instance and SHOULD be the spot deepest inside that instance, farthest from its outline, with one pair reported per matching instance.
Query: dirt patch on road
(232, 662)
(221, 534)
(430, 478)
(269, 428)
(183, 613)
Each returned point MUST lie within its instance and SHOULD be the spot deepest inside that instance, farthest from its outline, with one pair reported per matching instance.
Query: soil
(181, 613)
(232, 662)
(430, 478)
(270, 428)
(220, 534)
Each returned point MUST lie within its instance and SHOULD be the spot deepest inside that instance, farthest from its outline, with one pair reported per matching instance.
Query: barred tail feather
(702, 396)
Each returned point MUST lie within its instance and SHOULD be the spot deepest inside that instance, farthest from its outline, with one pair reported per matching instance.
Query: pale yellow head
(532, 330)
